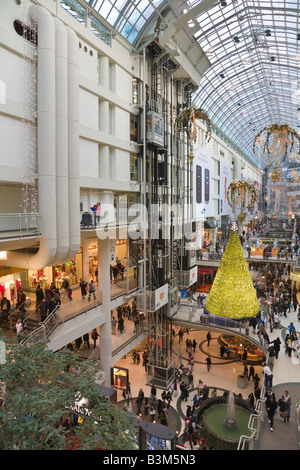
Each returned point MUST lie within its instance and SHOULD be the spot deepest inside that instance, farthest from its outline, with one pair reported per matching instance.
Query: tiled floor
(223, 375)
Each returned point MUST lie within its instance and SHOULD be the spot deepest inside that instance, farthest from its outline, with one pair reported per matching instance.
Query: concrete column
(104, 286)
(104, 71)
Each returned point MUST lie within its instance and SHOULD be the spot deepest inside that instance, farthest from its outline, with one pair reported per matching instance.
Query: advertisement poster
(202, 170)
(225, 180)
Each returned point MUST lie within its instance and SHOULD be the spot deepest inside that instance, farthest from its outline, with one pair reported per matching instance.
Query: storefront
(240, 348)
(70, 271)
(119, 377)
(205, 278)
(10, 282)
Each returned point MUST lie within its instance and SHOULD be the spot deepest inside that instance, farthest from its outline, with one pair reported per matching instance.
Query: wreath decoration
(187, 120)
(246, 193)
(282, 133)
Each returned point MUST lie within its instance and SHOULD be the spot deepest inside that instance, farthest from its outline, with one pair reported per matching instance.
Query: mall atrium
(136, 137)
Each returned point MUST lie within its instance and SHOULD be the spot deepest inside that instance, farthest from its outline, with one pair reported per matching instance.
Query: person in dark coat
(83, 287)
(276, 343)
(271, 407)
(5, 308)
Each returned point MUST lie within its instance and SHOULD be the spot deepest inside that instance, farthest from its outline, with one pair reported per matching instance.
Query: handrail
(254, 421)
(19, 223)
(17, 309)
(46, 327)
(58, 316)
(73, 304)
(297, 411)
(139, 330)
(220, 322)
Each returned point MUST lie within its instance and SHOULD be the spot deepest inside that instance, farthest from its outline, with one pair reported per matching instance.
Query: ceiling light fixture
(223, 3)
(298, 37)
(236, 39)
(272, 58)
(268, 32)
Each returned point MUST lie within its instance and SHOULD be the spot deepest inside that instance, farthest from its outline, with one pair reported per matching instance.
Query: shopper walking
(208, 337)
(19, 329)
(83, 288)
(92, 290)
(95, 336)
(271, 407)
(268, 376)
(251, 372)
(276, 344)
(288, 401)
(208, 363)
(113, 325)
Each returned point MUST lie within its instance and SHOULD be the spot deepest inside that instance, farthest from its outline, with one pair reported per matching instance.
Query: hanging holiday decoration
(277, 184)
(277, 176)
(232, 294)
(241, 217)
(28, 163)
(186, 121)
(284, 138)
(244, 193)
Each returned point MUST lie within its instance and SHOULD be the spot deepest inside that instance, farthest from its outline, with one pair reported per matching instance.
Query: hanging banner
(193, 275)
(225, 180)
(202, 171)
(161, 296)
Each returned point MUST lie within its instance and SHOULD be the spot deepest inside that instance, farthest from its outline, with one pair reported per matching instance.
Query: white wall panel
(122, 165)
(88, 109)
(88, 158)
(122, 126)
(123, 84)
(12, 148)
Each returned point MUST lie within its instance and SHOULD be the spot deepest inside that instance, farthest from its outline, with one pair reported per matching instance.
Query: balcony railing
(19, 225)
(108, 219)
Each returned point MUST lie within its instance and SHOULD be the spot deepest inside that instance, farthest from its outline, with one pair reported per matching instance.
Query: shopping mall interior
(149, 173)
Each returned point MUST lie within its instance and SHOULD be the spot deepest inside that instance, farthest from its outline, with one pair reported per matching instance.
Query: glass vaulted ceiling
(126, 16)
(253, 48)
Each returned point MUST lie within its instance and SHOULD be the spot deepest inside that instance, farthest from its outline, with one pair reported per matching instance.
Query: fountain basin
(222, 432)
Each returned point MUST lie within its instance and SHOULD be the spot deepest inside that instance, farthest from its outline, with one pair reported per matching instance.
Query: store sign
(161, 296)
(193, 275)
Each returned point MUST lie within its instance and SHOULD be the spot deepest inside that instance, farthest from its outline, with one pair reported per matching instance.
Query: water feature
(230, 417)
(223, 421)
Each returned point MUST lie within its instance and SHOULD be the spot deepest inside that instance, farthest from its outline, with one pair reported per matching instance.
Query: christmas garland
(243, 191)
(275, 128)
(189, 115)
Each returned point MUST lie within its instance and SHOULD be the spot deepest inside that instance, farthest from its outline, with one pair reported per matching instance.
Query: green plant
(39, 390)
(187, 120)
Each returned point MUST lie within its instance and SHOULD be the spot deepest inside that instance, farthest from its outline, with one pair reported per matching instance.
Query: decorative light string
(28, 158)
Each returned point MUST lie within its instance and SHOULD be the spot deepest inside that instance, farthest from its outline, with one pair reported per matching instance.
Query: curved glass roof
(253, 49)
(128, 17)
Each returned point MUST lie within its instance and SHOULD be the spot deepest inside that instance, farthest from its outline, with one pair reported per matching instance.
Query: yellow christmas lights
(232, 294)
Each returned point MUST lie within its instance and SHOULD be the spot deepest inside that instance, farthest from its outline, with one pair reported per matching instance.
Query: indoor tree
(39, 389)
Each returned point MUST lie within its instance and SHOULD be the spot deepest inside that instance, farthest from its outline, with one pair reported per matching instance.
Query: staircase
(32, 320)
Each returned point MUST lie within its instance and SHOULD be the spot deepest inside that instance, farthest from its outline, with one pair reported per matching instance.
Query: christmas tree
(232, 294)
